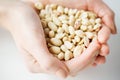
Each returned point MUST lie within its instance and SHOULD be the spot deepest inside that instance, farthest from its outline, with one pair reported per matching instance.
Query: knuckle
(48, 66)
(111, 14)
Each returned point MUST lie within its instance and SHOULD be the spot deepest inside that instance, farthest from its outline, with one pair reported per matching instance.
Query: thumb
(49, 63)
(53, 66)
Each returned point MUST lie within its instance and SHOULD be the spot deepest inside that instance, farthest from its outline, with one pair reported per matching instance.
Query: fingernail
(61, 73)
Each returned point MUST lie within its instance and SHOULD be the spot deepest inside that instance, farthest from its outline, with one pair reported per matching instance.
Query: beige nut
(63, 48)
(39, 5)
(51, 34)
(68, 55)
(54, 49)
(71, 30)
(61, 56)
(60, 35)
(68, 44)
(56, 42)
(77, 51)
(56, 21)
(52, 26)
(89, 35)
(86, 41)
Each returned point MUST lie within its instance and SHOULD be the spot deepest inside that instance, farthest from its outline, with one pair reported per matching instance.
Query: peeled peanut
(54, 49)
(68, 44)
(77, 51)
(52, 26)
(56, 42)
(61, 56)
(68, 32)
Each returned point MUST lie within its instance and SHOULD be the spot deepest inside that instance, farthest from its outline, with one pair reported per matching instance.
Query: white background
(12, 66)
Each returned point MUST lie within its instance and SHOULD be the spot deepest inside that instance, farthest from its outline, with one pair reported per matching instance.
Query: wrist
(8, 13)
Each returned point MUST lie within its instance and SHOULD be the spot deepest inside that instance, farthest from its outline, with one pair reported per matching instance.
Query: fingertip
(61, 73)
(100, 60)
(96, 44)
(104, 50)
(104, 34)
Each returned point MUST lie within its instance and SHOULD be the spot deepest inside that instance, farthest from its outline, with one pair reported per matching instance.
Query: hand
(107, 15)
(24, 24)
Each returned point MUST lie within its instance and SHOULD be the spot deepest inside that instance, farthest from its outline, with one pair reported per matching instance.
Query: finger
(46, 60)
(84, 59)
(78, 4)
(49, 65)
(104, 50)
(52, 65)
(100, 60)
(104, 12)
(31, 63)
(104, 34)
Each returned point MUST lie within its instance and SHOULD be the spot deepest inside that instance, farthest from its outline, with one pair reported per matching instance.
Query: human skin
(27, 31)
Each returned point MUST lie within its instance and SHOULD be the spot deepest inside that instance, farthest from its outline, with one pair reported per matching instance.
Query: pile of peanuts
(68, 32)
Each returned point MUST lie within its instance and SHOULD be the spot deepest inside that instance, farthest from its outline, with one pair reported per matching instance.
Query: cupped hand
(24, 24)
(108, 27)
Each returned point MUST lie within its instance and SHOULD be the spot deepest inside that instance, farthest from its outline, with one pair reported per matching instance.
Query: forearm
(81, 5)
(8, 11)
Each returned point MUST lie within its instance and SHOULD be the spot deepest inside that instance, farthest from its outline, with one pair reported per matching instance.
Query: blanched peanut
(79, 33)
(65, 28)
(77, 38)
(53, 6)
(68, 44)
(92, 21)
(77, 51)
(97, 26)
(71, 30)
(51, 34)
(71, 20)
(81, 41)
(68, 55)
(68, 32)
(60, 9)
(46, 30)
(54, 49)
(63, 17)
(61, 56)
(42, 14)
(66, 10)
(77, 24)
(60, 35)
(56, 42)
(63, 48)
(60, 30)
(52, 26)
(39, 5)
(86, 41)
(83, 27)
(77, 14)
(64, 39)
(57, 21)
(84, 15)
(98, 21)
(90, 35)
(85, 21)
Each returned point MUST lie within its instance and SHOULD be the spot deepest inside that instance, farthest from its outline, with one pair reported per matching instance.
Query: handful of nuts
(68, 32)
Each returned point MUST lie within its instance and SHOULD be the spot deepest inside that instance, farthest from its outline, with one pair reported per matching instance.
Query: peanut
(68, 32)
